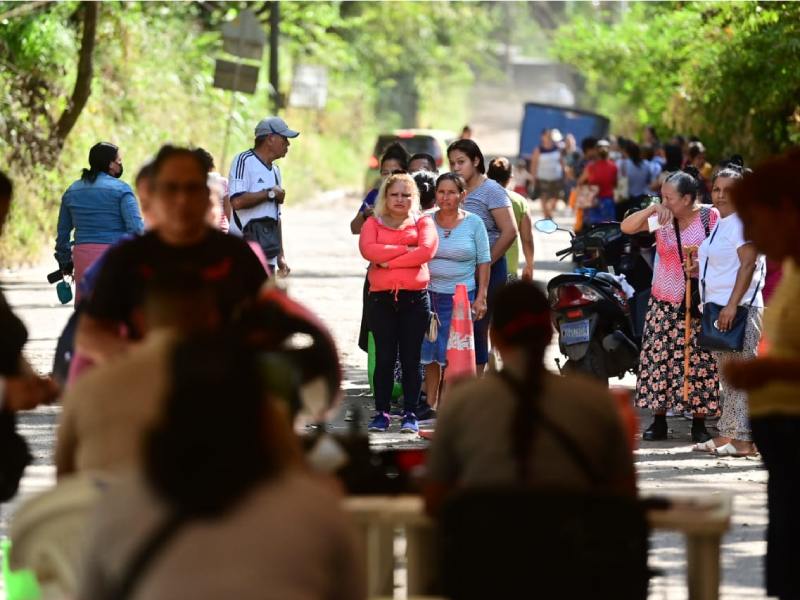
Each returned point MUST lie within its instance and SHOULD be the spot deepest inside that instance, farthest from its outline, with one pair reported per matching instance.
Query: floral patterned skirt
(659, 385)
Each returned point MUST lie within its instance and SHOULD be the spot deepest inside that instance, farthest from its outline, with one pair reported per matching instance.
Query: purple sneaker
(380, 422)
(409, 424)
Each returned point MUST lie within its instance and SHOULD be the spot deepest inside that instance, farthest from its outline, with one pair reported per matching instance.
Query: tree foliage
(152, 82)
(728, 72)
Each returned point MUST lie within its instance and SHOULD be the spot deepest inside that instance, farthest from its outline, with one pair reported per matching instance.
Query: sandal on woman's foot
(732, 451)
(708, 446)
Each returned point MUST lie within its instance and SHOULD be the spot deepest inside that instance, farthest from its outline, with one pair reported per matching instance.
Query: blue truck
(580, 123)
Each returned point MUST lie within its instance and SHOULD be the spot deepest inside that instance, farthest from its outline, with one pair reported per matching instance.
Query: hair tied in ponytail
(735, 162)
(691, 170)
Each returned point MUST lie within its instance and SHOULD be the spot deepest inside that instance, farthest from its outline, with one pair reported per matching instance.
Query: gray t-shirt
(472, 445)
(484, 199)
(287, 540)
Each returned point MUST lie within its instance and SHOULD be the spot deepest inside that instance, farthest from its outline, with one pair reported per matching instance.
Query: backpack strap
(145, 555)
(564, 438)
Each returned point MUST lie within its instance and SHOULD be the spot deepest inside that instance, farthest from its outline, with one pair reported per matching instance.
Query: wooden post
(688, 252)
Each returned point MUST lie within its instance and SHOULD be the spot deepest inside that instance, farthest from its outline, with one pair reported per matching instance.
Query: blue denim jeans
(604, 212)
(442, 305)
(398, 324)
(497, 278)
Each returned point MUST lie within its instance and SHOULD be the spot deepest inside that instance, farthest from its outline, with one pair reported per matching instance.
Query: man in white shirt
(255, 189)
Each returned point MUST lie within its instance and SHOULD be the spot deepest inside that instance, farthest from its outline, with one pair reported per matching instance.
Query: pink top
(406, 252)
(669, 282)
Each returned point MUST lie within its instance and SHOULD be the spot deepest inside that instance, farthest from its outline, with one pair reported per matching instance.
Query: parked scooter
(599, 308)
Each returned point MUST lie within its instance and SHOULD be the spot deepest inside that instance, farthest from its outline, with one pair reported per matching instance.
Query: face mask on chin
(118, 175)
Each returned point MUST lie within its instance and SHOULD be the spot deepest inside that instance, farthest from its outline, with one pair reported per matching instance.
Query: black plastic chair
(505, 543)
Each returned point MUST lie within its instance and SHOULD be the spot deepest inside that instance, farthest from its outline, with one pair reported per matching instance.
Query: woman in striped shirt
(463, 250)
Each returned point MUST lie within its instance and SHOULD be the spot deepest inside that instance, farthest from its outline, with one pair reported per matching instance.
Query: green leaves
(728, 72)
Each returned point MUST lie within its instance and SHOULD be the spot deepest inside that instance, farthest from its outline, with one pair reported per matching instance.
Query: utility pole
(274, 35)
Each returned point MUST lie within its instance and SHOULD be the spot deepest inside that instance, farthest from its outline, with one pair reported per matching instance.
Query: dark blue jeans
(497, 278)
(398, 324)
(777, 439)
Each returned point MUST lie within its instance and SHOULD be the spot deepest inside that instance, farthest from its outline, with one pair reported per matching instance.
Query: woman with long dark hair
(100, 208)
(222, 511)
(487, 199)
(556, 432)
(682, 224)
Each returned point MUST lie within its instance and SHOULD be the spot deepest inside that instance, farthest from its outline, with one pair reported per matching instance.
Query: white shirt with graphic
(250, 174)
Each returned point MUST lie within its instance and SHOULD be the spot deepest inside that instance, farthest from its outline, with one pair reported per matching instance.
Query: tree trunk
(83, 80)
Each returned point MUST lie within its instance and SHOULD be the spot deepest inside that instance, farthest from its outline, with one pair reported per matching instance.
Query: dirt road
(328, 274)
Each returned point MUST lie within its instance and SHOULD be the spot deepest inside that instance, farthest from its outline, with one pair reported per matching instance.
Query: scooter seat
(609, 278)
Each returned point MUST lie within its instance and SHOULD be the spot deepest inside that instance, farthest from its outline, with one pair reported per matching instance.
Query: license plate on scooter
(575, 332)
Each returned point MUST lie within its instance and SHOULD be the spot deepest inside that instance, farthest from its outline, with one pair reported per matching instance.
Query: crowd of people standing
(170, 310)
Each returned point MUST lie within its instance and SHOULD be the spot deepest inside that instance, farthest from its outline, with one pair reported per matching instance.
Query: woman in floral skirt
(660, 380)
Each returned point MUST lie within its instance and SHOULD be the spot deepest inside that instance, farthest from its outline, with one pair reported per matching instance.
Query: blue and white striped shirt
(460, 252)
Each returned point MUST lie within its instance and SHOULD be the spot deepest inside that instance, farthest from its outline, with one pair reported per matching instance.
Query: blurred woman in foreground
(221, 512)
(768, 203)
(550, 431)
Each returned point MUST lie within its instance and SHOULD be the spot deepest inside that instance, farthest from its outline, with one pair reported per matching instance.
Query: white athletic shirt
(549, 166)
(720, 249)
(250, 174)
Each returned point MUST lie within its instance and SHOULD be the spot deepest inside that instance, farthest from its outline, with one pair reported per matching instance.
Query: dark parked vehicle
(431, 141)
(580, 123)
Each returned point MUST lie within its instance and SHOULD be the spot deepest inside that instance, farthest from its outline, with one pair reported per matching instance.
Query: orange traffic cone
(460, 345)
(461, 342)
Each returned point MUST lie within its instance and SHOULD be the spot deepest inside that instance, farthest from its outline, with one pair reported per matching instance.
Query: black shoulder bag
(711, 338)
(265, 231)
(695, 308)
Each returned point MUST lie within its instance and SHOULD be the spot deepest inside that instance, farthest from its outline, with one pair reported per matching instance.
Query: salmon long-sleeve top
(405, 251)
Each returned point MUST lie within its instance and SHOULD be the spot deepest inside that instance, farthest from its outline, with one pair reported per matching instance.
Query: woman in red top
(601, 172)
(398, 242)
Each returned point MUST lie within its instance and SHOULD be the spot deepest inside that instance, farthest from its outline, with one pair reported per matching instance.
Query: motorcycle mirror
(546, 226)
